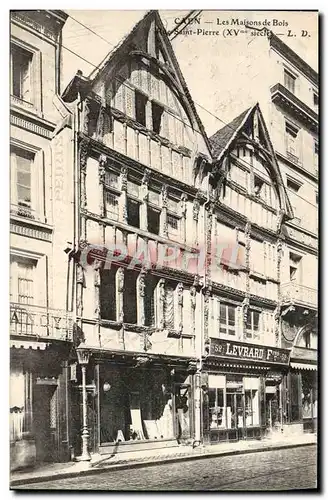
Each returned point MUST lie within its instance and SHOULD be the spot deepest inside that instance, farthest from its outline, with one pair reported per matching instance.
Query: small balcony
(286, 99)
(41, 323)
(299, 294)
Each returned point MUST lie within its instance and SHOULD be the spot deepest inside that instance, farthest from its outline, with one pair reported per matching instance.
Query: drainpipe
(198, 376)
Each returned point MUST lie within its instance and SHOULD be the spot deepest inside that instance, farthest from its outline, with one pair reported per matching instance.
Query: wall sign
(238, 350)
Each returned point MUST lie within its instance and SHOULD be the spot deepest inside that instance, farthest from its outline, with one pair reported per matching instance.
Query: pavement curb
(135, 464)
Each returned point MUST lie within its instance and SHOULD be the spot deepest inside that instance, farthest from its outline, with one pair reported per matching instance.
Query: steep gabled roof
(224, 139)
(149, 17)
(224, 136)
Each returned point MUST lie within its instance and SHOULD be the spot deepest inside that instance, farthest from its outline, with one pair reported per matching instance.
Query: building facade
(156, 298)
(40, 329)
(178, 250)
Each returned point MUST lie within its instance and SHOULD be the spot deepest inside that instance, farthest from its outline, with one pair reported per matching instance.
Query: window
(108, 293)
(150, 300)
(227, 319)
(216, 408)
(21, 61)
(111, 205)
(21, 181)
(253, 324)
(173, 226)
(294, 266)
(153, 217)
(130, 296)
(22, 276)
(315, 100)
(316, 154)
(258, 185)
(291, 139)
(133, 212)
(140, 103)
(293, 185)
(289, 81)
(157, 112)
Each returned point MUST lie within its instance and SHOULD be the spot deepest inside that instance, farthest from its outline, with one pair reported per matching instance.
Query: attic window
(157, 113)
(140, 109)
(258, 185)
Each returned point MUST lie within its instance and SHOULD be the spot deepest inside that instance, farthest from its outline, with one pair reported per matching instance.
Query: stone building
(40, 329)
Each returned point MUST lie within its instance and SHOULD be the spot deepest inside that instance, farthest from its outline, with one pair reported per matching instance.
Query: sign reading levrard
(239, 350)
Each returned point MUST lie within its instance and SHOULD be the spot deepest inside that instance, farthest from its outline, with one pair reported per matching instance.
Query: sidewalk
(127, 460)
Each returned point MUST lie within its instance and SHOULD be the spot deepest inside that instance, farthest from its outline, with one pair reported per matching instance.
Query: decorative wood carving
(161, 296)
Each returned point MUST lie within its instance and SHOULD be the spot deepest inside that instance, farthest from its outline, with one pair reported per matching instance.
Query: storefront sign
(238, 350)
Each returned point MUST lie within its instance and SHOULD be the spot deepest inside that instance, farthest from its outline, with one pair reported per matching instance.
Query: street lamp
(83, 355)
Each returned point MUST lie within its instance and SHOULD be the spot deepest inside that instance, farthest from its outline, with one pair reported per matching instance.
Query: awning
(303, 366)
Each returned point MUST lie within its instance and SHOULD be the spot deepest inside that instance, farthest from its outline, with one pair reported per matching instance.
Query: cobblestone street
(289, 469)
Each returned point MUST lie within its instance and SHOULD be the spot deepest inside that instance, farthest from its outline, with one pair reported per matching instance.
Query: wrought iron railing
(40, 322)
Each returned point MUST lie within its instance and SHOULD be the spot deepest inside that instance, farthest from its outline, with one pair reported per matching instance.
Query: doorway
(235, 412)
(45, 422)
(182, 411)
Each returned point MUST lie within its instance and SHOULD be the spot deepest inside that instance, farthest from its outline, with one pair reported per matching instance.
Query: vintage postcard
(164, 250)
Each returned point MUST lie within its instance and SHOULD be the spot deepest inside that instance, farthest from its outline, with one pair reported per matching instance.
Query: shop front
(38, 404)
(241, 390)
(134, 402)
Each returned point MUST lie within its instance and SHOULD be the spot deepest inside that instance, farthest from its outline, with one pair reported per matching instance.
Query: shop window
(133, 212)
(153, 218)
(251, 407)
(157, 113)
(295, 397)
(130, 296)
(111, 204)
(289, 81)
(169, 306)
(253, 324)
(21, 65)
(140, 107)
(108, 294)
(21, 182)
(216, 408)
(227, 319)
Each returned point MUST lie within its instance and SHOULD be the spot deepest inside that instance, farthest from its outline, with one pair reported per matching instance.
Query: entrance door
(235, 412)
(182, 398)
(45, 422)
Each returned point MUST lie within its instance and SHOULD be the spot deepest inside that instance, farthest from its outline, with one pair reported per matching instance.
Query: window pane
(20, 72)
(153, 220)
(111, 205)
(256, 320)
(231, 315)
(130, 296)
(140, 101)
(223, 313)
(133, 213)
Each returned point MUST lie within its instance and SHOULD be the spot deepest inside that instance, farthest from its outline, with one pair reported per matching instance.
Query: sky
(207, 56)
